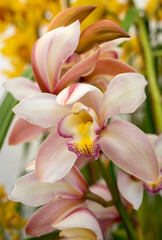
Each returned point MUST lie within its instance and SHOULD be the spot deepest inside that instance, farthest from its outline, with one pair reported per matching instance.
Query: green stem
(94, 197)
(151, 76)
(117, 202)
(68, 3)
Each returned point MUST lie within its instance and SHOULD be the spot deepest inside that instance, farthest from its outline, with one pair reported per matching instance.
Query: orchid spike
(82, 129)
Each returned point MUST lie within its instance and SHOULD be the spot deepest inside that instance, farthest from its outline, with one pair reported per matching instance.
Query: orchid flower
(61, 205)
(131, 188)
(22, 87)
(80, 112)
(55, 63)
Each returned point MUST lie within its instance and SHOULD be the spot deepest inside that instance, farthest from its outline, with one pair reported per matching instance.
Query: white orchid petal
(129, 148)
(124, 94)
(24, 131)
(28, 190)
(21, 87)
(41, 109)
(41, 221)
(74, 92)
(130, 189)
(80, 218)
(54, 160)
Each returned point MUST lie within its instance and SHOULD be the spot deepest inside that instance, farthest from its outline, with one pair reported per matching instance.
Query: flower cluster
(81, 86)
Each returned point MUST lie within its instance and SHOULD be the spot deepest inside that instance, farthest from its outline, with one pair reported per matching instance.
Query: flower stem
(117, 202)
(94, 197)
(151, 76)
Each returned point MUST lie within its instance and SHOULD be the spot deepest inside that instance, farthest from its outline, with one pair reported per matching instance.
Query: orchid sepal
(99, 32)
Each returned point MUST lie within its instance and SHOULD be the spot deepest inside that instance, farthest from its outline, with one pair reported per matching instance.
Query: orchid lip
(153, 188)
(81, 125)
(87, 151)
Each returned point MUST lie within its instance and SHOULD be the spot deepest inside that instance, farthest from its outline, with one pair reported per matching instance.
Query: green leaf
(6, 114)
(130, 18)
(51, 236)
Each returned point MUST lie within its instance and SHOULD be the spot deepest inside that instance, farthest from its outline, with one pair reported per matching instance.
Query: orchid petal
(30, 167)
(54, 160)
(101, 190)
(74, 92)
(51, 51)
(41, 109)
(158, 145)
(130, 189)
(41, 222)
(124, 94)
(152, 137)
(70, 62)
(21, 87)
(99, 32)
(111, 45)
(101, 81)
(102, 213)
(85, 66)
(82, 161)
(24, 131)
(110, 54)
(78, 234)
(70, 15)
(76, 179)
(129, 148)
(80, 218)
(109, 66)
(28, 190)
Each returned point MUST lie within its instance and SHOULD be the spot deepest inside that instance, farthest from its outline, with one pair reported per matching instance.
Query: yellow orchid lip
(82, 126)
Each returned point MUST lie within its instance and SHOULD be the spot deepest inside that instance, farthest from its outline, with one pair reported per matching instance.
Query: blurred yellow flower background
(27, 18)
(10, 220)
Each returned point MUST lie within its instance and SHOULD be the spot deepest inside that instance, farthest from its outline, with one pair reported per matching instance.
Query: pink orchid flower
(55, 65)
(61, 205)
(80, 114)
(132, 188)
(52, 54)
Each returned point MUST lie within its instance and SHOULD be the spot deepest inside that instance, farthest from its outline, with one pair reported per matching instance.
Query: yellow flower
(132, 54)
(8, 11)
(18, 49)
(10, 220)
(28, 17)
(154, 9)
